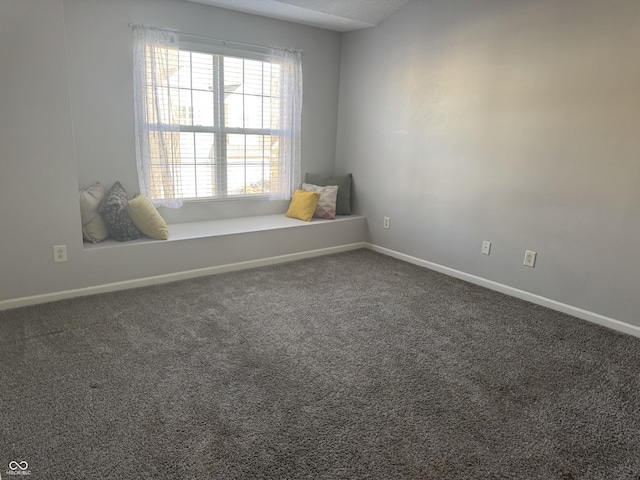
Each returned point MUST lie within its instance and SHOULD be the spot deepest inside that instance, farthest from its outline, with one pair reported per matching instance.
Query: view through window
(226, 108)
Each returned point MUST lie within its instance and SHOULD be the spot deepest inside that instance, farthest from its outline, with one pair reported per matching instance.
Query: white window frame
(220, 129)
(287, 165)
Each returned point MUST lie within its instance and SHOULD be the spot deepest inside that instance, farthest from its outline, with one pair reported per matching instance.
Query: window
(225, 112)
(212, 122)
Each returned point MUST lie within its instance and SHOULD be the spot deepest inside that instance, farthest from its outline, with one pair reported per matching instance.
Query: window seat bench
(202, 248)
(235, 226)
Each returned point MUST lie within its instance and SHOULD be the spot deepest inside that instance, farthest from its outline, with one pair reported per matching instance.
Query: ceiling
(338, 15)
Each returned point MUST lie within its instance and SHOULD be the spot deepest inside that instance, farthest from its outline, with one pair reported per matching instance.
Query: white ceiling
(339, 15)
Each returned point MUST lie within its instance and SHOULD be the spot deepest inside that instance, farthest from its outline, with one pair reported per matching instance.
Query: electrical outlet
(59, 253)
(385, 222)
(486, 247)
(530, 258)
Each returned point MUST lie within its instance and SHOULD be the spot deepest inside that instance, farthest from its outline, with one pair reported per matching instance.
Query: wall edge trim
(580, 313)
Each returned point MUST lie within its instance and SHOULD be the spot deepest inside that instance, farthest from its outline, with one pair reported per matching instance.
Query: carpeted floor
(348, 366)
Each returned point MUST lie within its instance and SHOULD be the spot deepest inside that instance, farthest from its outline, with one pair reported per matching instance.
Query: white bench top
(230, 226)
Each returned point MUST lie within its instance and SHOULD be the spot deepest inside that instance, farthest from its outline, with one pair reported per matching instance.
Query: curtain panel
(156, 101)
(287, 175)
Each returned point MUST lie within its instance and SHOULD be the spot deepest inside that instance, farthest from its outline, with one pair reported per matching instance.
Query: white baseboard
(172, 277)
(231, 267)
(514, 292)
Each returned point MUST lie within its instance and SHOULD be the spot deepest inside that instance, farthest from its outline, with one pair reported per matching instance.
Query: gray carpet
(353, 365)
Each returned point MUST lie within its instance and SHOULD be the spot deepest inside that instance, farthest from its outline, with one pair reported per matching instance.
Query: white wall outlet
(486, 247)
(385, 222)
(530, 258)
(59, 253)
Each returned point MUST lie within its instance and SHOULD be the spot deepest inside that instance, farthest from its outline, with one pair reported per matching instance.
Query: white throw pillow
(94, 229)
(328, 196)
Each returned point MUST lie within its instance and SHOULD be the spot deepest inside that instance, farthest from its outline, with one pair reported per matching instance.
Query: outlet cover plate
(59, 253)
(530, 258)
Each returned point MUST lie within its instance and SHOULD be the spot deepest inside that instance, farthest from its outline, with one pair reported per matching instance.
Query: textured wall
(513, 122)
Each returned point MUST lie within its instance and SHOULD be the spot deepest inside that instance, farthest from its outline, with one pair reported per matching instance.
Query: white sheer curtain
(287, 177)
(157, 102)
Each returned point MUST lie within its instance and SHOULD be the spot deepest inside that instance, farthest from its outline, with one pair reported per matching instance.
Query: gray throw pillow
(343, 203)
(113, 209)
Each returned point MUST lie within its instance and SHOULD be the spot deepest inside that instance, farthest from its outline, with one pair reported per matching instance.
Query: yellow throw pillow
(147, 219)
(303, 205)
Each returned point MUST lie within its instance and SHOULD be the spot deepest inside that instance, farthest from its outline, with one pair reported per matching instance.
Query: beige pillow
(328, 197)
(147, 219)
(94, 228)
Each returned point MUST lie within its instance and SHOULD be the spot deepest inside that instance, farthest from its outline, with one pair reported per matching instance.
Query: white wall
(38, 181)
(66, 119)
(513, 122)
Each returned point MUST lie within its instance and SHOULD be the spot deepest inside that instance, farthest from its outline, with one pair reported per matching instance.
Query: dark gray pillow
(113, 209)
(343, 203)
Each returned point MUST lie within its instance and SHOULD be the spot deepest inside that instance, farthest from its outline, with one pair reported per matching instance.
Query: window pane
(204, 148)
(202, 71)
(188, 176)
(183, 78)
(253, 77)
(203, 108)
(235, 147)
(257, 164)
(233, 110)
(244, 94)
(266, 78)
(249, 163)
(261, 165)
(266, 112)
(182, 107)
(235, 164)
(252, 111)
(235, 179)
(233, 68)
(205, 181)
(274, 123)
(187, 152)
